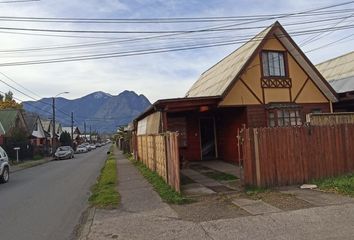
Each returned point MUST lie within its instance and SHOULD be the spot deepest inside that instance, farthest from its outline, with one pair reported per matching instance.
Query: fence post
(256, 154)
(154, 153)
(165, 137)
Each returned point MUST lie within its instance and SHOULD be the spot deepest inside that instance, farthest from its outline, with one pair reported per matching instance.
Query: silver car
(64, 152)
(4, 166)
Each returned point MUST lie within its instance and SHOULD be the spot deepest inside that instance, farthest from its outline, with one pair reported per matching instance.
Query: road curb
(17, 169)
(86, 223)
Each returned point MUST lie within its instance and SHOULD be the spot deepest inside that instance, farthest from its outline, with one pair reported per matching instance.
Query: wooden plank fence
(295, 155)
(160, 154)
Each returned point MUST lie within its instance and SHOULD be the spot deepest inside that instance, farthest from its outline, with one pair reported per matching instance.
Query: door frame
(215, 138)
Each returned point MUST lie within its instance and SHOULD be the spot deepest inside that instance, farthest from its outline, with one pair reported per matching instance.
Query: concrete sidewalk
(142, 215)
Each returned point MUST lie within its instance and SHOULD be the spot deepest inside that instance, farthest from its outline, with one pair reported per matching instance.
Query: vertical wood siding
(295, 155)
(160, 154)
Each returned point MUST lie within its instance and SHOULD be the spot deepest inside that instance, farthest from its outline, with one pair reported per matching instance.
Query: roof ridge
(257, 35)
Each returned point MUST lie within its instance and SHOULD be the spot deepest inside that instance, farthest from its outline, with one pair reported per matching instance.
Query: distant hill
(102, 111)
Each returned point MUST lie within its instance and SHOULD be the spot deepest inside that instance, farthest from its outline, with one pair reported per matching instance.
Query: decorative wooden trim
(249, 89)
(302, 88)
(271, 82)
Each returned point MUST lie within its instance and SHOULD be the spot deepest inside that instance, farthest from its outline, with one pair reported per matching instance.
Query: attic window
(273, 64)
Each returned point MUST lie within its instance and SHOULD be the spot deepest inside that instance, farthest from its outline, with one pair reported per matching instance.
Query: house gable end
(291, 88)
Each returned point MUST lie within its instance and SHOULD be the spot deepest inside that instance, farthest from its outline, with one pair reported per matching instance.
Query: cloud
(165, 75)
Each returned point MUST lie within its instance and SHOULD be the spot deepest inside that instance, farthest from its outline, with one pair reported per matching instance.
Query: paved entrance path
(143, 215)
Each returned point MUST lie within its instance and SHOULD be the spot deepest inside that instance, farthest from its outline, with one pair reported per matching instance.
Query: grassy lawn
(104, 193)
(161, 187)
(342, 184)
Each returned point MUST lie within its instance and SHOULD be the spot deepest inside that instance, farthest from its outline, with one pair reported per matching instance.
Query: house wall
(228, 121)
(191, 149)
(247, 90)
(257, 114)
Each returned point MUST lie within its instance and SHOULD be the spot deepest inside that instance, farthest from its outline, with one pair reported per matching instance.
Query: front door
(207, 138)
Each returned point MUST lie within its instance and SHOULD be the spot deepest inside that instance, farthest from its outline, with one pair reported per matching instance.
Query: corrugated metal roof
(8, 118)
(339, 72)
(216, 79)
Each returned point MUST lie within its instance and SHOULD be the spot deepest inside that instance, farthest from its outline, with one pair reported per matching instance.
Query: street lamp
(53, 130)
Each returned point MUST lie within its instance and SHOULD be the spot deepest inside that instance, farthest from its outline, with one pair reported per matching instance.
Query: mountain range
(100, 111)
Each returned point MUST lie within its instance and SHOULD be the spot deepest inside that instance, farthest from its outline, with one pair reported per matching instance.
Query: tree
(9, 96)
(65, 139)
(8, 102)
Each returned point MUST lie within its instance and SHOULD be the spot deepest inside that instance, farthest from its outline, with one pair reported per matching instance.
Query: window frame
(284, 117)
(285, 61)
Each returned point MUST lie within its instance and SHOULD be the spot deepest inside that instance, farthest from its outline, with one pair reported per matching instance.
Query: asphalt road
(46, 201)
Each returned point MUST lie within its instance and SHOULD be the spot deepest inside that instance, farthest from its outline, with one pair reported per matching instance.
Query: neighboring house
(48, 128)
(16, 133)
(13, 122)
(267, 82)
(76, 133)
(35, 127)
(339, 72)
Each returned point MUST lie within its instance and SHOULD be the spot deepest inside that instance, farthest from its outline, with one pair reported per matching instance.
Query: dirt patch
(212, 207)
(285, 202)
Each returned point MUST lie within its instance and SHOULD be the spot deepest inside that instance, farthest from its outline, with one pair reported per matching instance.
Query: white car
(81, 149)
(4, 166)
(92, 146)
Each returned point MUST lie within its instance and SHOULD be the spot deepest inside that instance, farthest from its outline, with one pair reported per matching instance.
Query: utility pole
(72, 129)
(85, 130)
(90, 134)
(53, 130)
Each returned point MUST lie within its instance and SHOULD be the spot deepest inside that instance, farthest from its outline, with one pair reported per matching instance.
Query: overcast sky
(162, 75)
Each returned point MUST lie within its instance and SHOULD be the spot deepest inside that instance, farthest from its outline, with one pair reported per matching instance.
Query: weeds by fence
(160, 154)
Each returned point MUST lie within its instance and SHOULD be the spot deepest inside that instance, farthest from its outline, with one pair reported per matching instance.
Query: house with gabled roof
(39, 137)
(76, 133)
(267, 82)
(12, 121)
(339, 72)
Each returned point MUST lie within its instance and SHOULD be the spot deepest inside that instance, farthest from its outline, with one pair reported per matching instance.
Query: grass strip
(220, 176)
(161, 187)
(104, 193)
(28, 164)
(342, 184)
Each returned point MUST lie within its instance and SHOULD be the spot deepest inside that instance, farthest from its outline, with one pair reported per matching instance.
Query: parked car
(87, 145)
(92, 146)
(64, 152)
(4, 166)
(81, 149)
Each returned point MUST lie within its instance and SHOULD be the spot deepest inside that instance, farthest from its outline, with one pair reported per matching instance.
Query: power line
(174, 19)
(155, 50)
(19, 1)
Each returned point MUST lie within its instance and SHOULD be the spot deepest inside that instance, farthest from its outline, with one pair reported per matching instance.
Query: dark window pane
(265, 63)
(281, 65)
(273, 64)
